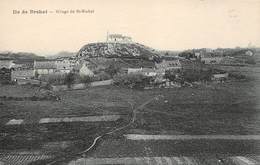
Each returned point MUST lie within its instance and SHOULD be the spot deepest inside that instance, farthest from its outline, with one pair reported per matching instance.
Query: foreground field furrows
(183, 160)
(190, 147)
(23, 159)
(68, 119)
(191, 137)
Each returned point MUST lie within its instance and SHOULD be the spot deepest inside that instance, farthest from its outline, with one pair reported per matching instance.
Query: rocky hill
(117, 50)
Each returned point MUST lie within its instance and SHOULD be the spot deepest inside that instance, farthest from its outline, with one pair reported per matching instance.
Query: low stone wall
(81, 85)
(101, 83)
(29, 81)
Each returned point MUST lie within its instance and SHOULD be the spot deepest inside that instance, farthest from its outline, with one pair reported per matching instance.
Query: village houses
(85, 71)
(57, 66)
(169, 63)
(45, 67)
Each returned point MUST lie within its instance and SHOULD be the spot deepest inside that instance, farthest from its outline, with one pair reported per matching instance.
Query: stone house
(22, 74)
(168, 64)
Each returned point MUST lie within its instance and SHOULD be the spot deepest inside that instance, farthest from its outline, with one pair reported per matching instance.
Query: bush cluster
(132, 80)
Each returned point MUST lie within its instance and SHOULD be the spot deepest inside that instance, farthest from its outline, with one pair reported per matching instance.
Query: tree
(132, 80)
(36, 75)
(112, 70)
(69, 79)
(86, 79)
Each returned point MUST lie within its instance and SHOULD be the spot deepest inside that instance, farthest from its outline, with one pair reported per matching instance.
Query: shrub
(196, 75)
(113, 69)
(86, 79)
(70, 79)
(171, 74)
(55, 79)
(103, 76)
(237, 76)
(132, 80)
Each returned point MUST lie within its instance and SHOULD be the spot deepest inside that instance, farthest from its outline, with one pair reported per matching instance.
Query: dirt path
(191, 137)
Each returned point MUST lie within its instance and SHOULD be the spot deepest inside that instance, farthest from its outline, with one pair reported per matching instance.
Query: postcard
(170, 82)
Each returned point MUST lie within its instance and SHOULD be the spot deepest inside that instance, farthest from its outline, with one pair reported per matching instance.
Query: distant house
(45, 67)
(118, 38)
(249, 53)
(197, 54)
(219, 76)
(144, 71)
(168, 64)
(133, 70)
(149, 72)
(6, 63)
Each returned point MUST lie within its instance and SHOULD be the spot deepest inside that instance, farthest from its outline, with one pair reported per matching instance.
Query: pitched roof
(45, 65)
(118, 36)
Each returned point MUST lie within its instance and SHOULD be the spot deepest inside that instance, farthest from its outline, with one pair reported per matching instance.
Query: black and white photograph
(130, 82)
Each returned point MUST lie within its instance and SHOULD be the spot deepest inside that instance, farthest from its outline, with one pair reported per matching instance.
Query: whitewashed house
(133, 70)
(45, 67)
(168, 64)
(249, 53)
(85, 71)
(118, 38)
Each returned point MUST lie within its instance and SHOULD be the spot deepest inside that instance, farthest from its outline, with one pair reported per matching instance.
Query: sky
(161, 24)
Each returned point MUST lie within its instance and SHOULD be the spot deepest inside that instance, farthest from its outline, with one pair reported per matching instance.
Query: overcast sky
(161, 24)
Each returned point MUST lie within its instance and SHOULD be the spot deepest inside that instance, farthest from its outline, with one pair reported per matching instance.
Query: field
(231, 107)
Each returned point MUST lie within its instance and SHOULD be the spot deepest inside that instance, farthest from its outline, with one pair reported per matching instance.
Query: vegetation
(86, 79)
(132, 80)
(55, 79)
(65, 79)
(196, 75)
(70, 79)
(102, 76)
(172, 74)
(113, 69)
